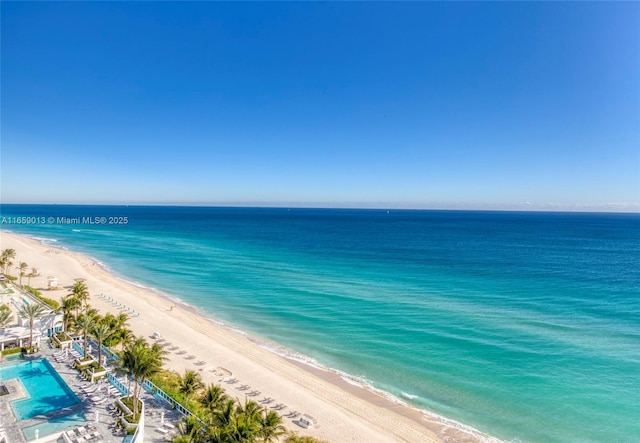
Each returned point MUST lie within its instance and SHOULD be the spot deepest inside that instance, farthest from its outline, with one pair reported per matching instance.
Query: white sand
(344, 411)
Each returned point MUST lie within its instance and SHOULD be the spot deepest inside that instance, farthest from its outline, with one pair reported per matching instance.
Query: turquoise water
(46, 390)
(54, 425)
(523, 325)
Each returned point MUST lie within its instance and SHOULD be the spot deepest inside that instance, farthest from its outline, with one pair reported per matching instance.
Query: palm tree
(271, 426)
(68, 304)
(122, 336)
(142, 361)
(5, 318)
(246, 425)
(121, 333)
(85, 323)
(189, 430)
(31, 312)
(22, 267)
(213, 397)
(225, 416)
(101, 332)
(30, 275)
(189, 384)
(123, 367)
(80, 292)
(7, 255)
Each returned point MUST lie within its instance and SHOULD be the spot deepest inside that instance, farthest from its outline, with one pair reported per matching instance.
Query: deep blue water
(523, 325)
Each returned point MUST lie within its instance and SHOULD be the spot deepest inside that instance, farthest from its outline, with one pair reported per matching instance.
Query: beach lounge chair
(307, 421)
(162, 430)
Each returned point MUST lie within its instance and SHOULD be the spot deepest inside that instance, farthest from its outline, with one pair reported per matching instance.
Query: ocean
(525, 326)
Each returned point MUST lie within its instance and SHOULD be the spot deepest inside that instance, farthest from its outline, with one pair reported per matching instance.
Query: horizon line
(622, 208)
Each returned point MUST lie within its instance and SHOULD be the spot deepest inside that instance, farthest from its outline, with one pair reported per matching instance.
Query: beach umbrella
(162, 418)
(37, 434)
(97, 416)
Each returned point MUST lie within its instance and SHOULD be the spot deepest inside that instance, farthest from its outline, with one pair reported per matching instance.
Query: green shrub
(53, 304)
(63, 336)
(169, 382)
(128, 402)
(11, 351)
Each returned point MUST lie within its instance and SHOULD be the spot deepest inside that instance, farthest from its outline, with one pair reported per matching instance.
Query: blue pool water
(46, 390)
(55, 425)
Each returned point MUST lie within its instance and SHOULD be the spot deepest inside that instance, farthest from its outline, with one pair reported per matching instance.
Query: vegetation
(53, 304)
(219, 417)
(30, 275)
(128, 402)
(6, 318)
(140, 361)
(100, 331)
(80, 293)
(190, 383)
(31, 312)
(22, 268)
(83, 324)
(6, 258)
(63, 336)
(118, 324)
(11, 351)
(294, 438)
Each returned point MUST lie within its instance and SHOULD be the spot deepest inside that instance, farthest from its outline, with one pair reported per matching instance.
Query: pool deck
(105, 425)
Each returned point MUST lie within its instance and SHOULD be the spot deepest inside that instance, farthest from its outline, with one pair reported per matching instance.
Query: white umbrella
(37, 434)
(162, 418)
(97, 416)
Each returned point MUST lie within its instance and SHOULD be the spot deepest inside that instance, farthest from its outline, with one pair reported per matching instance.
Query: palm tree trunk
(136, 393)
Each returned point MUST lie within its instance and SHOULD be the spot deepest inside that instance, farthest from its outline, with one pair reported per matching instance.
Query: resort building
(17, 334)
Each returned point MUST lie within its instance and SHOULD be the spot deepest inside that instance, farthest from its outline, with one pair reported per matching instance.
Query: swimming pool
(46, 390)
(55, 425)
(14, 357)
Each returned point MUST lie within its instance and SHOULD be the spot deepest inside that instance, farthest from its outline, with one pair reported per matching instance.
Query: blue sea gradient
(523, 325)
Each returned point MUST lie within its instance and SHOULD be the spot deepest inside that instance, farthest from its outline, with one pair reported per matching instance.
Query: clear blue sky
(439, 105)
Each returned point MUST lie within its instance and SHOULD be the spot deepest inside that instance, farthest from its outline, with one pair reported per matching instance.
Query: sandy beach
(345, 411)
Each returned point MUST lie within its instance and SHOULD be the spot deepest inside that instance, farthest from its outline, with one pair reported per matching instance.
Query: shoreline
(348, 409)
